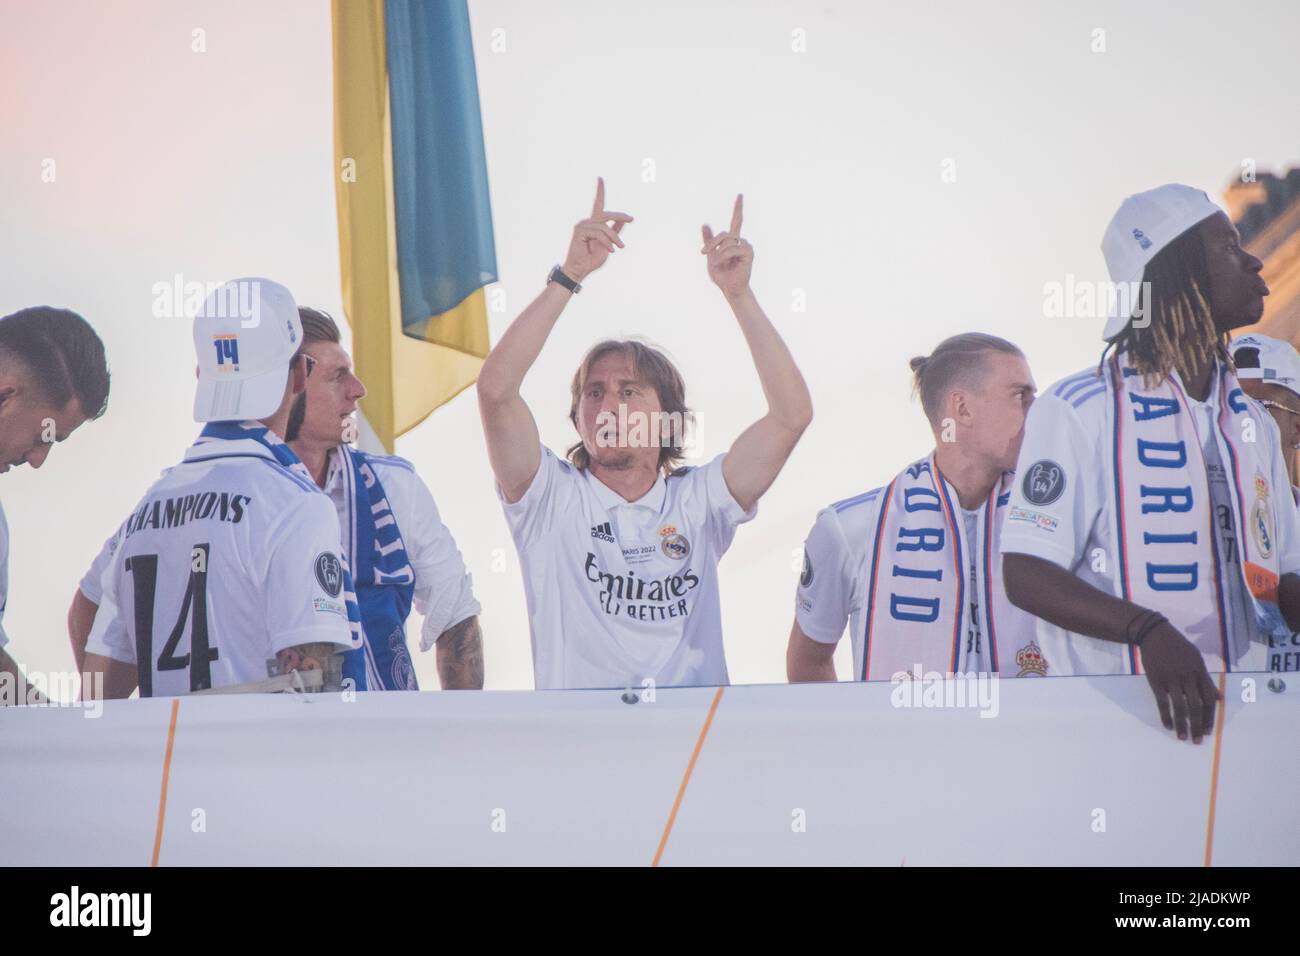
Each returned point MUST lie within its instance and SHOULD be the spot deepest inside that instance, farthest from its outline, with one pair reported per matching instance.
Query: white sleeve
(4, 574)
(724, 512)
(827, 592)
(92, 582)
(532, 516)
(444, 591)
(108, 635)
(305, 599)
(1051, 511)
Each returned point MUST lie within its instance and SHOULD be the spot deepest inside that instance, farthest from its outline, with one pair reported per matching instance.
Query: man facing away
(230, 564)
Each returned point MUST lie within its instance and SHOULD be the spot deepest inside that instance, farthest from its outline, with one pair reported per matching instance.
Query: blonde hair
(957, 360)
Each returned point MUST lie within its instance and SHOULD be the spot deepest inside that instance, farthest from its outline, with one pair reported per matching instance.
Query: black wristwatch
(558, 276)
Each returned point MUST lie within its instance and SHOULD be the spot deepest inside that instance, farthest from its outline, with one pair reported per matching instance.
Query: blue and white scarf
(1165, 525)
(256, 431)
(919, 583)
(385, 579)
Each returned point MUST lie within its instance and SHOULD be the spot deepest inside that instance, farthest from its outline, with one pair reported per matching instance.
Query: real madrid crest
(1261, 518)
(674, 545)
(1031, 661)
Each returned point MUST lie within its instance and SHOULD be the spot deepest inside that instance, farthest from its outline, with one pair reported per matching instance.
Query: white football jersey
(832, 587)
(228, 559)
(1067, 429)
(621, 592)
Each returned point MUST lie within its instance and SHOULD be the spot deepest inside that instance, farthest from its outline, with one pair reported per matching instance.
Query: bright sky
(218, 164)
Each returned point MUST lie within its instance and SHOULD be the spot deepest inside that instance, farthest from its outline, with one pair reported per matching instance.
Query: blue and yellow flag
(415, 224)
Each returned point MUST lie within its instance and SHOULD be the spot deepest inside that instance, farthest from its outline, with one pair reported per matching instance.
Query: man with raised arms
(619, 546)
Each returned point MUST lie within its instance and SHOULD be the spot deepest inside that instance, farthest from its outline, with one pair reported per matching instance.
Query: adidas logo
(604, 532)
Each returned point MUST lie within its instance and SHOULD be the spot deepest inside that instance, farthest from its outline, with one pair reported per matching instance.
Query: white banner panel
(1062, 771)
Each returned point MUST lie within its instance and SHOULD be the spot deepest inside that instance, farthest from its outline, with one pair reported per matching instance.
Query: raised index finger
(600, 198)
(737, 214)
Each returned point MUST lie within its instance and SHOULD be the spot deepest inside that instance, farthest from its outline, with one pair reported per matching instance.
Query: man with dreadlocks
(1151, 526)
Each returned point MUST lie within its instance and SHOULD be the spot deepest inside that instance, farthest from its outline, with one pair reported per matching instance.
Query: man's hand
(22, 691)
(731, 258)
(594, 239)
(1176, 672)
(1174, 667)
(305, 657)
(116, 680)
(514, 447)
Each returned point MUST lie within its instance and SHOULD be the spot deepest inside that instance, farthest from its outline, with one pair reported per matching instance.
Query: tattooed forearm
(460, 656)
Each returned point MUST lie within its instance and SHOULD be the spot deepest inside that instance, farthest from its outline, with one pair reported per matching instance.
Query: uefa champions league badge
(1043, 483)
(329, 573)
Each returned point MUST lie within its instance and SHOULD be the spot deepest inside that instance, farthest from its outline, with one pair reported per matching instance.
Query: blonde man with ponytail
(912, 566)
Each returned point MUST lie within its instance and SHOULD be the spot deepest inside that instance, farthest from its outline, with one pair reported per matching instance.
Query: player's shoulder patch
(329, 572)
(1043, 482)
